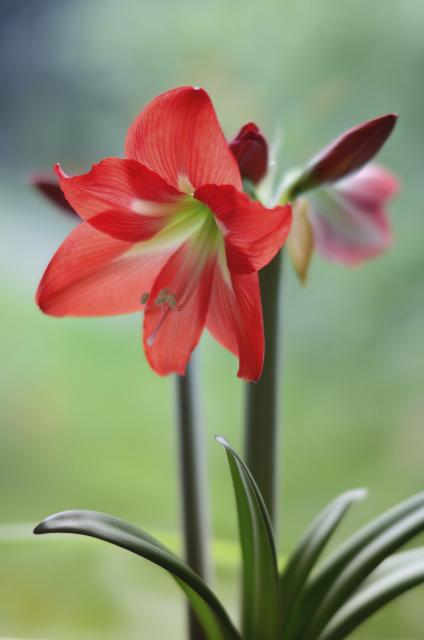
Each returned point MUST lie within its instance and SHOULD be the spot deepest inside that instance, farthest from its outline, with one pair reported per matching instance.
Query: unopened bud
(250, 149)
(348, 153)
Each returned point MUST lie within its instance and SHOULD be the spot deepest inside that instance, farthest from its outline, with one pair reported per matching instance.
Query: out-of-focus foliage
(83, 420)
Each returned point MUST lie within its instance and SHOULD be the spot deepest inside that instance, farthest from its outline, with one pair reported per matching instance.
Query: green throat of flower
(200, 243)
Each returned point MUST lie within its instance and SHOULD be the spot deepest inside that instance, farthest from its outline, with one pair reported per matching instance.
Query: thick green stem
(263, 398)
(195, 514)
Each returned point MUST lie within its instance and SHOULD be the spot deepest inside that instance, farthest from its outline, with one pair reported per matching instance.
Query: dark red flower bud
(250, 149)
(48, 185)
(348, 153)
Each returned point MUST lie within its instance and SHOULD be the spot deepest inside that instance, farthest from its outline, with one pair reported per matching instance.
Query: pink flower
(346, 221)
(349, 220)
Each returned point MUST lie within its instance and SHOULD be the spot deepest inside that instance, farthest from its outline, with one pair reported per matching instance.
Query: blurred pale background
(84, 422)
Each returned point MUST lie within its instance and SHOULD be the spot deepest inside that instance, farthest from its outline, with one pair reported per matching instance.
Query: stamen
(166, 297)
(150, 340)
(167, 301)
(144, 297)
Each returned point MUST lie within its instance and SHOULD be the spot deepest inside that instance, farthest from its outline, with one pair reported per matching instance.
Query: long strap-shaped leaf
(261, 591)
(331, 569)
(360, 567)
(306, 554)
(402, 573)
(393, 563)
(211, 613)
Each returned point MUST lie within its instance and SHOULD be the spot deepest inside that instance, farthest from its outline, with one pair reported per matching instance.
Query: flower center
(181, 276)
(185, 185)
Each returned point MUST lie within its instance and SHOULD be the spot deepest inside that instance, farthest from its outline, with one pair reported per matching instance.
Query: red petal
(121, 198)
(348, 153)
(253, 234)
(93, 274)
(235, 319)
(171, 334)
(179, 137)
(349, 222)
(48, 185)
(129, 227)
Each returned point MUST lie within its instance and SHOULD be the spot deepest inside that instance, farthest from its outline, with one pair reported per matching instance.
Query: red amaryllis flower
(168, 230)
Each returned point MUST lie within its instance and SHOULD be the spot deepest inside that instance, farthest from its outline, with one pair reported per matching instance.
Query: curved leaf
(331, 568)
(261, 591)
(209, 610)
(360, 567)
(303, 559)
(394, 562)
(402, 573)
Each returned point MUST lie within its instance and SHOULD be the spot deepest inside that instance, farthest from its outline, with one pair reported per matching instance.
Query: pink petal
(121, 198)
(235, 319)
(93, 274)
(179, 137)
(349, 221)
(372, 186)
(253, 234)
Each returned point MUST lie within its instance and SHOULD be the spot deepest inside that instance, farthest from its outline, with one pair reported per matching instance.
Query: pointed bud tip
(384, 123)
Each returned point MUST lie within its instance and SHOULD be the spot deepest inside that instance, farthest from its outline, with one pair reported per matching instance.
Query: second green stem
(263, 402)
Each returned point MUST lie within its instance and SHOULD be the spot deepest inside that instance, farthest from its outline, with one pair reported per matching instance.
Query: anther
(166, 297)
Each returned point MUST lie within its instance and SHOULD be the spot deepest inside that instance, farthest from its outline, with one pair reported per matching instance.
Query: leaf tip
(222, 440)
(40, 528)
(359, 494)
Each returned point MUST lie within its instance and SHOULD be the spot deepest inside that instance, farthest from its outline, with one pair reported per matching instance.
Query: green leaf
(398, 574)
(304, 557)
(209, 610)
(361, 565)
(331, 569)
(261, 589)
(394, 562)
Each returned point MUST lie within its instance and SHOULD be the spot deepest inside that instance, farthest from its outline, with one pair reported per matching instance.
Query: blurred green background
(84, 422)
